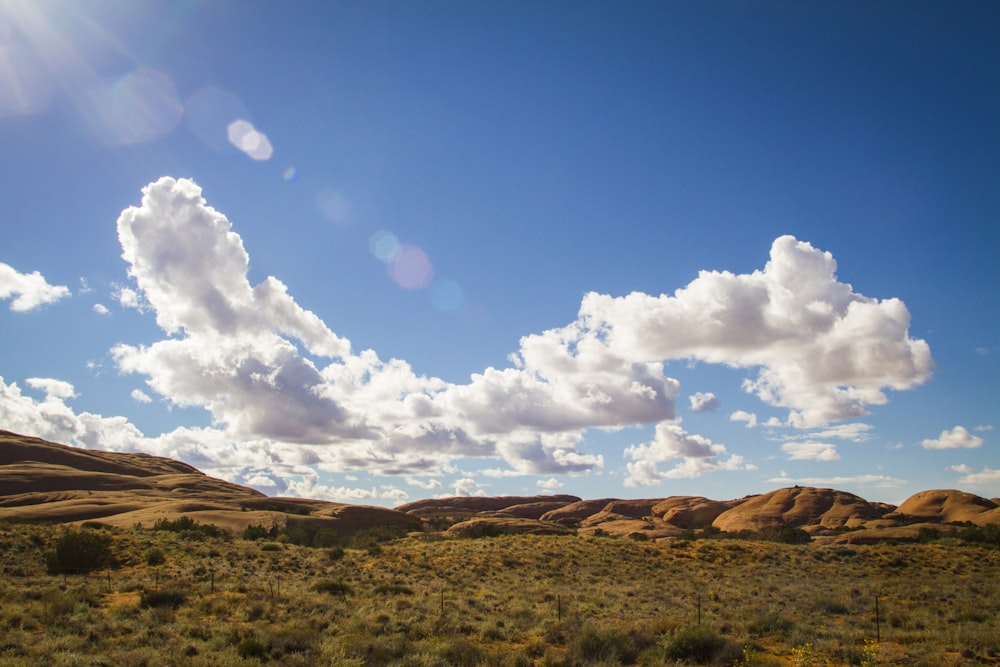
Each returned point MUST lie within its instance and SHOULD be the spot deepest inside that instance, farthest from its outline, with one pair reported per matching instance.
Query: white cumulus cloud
(749, 418)
(810, 451)
(54, 389)
(468, 487)
(703, 401)
(139, 396)
(984, 476)
(28, 290)
(956, 438)
(821, 350)
(695, 455)
(288, 396)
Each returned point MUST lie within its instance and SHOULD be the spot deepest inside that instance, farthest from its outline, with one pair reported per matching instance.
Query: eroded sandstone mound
(799, 507)
(947, 506)
(46, 481)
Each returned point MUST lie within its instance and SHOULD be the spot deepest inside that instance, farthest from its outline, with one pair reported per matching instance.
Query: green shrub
(58, 605)
(171, 599)
(983, 535)
(80, 551)
(365, 539)
(289, 641)
(155, 556)
(332, 587)
(259, 532)
(189, 529)
(834, 608)
(786, 535)
(770, 624)
(699, 645)
(927, 534)
(333, 554)
(311, 534)
(460, 652)
(251, 647)
(602, 643)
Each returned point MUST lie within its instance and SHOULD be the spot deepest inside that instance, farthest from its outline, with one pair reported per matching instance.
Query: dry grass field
(188, 598)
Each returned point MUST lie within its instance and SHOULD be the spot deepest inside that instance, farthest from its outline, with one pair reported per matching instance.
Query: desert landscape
(130, 559)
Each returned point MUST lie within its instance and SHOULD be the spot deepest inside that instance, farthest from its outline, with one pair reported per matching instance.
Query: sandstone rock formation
(45, 481)
(798, 507)
(947, 506)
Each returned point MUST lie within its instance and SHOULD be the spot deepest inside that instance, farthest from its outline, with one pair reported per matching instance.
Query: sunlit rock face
(798, 506)
(948, 505)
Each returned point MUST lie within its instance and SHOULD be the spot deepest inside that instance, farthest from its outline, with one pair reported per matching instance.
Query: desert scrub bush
(701, 646)
(291, 640)
(595, 643)
(332, 587)
(989, 535)
(310, 534)
(79, 551)
(57, 606)
(189, 529)
(155, 556)
(259, 532)
(770, 624)
(169, 599)
(459, 651)
(251, 647)
(392, 589)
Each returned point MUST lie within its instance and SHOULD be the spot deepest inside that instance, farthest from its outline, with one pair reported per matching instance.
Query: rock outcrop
(948, 506)
(799, 507)
(46, 481)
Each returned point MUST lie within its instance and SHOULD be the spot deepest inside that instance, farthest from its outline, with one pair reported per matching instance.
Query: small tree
(79, 551)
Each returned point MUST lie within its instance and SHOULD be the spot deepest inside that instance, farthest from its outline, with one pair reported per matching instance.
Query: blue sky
(378, 251)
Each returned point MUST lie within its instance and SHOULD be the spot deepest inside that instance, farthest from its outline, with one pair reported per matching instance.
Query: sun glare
(50, 49)
(29, 48)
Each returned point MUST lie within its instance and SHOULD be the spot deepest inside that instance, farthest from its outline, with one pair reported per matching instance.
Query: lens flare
(411, 268)
(383, 245)
(290, 174)
(210, 111)
(245, 136)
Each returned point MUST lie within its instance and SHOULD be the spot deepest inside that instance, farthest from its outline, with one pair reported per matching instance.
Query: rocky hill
(49, 482)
